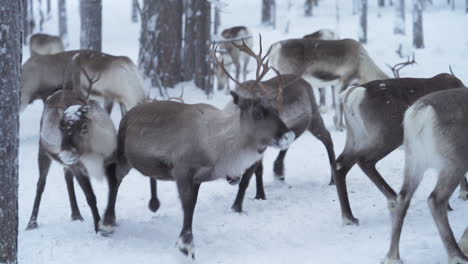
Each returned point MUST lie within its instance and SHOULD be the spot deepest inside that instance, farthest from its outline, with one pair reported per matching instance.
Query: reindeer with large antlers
(294, 100)
(79, 134)
(374, 115)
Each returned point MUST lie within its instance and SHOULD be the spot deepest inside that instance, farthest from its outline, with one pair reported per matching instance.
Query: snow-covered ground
(300, 222)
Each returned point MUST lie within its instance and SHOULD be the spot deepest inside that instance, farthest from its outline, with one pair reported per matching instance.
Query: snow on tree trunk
(197, 44)
(399, 28)
(134, 11)
(62, 21)
(91, 24)
(308, 8)
(161, 42)
(418, 36)
(363, 22)
(10, 71)
(269, 13)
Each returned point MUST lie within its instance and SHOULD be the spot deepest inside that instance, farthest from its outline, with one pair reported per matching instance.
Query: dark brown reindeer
(194, 143)
(434, 137)
(374, 115)
(119, 80)
(44, 44)
(79, 134)
(321, 62)
(294, 100)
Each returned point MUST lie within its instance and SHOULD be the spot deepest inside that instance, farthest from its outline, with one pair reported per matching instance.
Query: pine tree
(10, 69)
(363, 22)
(91, 24)
(418, 36)
(62, 21)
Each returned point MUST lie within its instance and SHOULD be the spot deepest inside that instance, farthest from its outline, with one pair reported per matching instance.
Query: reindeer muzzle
(68, 157)
(285, 140)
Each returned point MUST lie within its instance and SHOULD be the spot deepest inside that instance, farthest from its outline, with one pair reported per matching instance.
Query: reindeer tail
(368, 70)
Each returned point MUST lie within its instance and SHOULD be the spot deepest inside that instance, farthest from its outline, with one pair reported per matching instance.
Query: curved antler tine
(260, 43)
(451, 72)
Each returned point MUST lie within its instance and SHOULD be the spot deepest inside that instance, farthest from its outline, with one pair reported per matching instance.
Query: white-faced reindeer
(374, 114)
(322, 62)
(294, 100)
(79, 134)
(434, 137)
(227, 47)
(192, 144)
(44, 44)
(119, 80)
(324, 34)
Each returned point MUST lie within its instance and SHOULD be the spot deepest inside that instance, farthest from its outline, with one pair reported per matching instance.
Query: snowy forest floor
(300, 222)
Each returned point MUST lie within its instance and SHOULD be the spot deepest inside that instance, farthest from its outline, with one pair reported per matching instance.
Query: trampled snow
(300, 221)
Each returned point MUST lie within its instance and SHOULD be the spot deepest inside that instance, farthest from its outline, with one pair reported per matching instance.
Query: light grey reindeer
(119, 81)
(44, 44)
(434, 137)
(235, 36)
(192, 144)
(294, 100)
(79, 134)
(324, 34)
(321, 62)
(374, 114)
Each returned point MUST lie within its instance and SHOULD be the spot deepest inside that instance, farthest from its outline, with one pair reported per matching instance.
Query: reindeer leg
(322, 102)
(340, 168)
(44, 165)
(464, 189)
(76, 215)
(123, 109)
(438, 201)
(244, 183)
(412, 179)
(317, 128)
(259, 179)
(278, 166)
(188, 193)
(154, 203)
(368, 167)
(83, 180)
(338, 118)
(107, 228)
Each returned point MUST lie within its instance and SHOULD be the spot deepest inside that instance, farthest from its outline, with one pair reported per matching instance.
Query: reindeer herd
(195, 143)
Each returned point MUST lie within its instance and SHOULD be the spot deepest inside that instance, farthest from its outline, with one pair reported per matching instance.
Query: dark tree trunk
(41, 17)
(161, 42)
(11, 25)
(134, 11)
(269, 13)
(363, 22)
(217, 20)
(381, 3)
(466, 8)
(91, 24)
(315, 2)
(308, 8)
(197, 44)
(49, 7)
(418, 36)
(62, 21)
(399, 28)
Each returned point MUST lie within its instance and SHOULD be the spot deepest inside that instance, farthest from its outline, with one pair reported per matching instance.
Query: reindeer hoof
(237, 208)
(77, 217)
(32, 225)
(260, 196)
(388, 260)
(105, 230)
(185, 245)
(279, 177)
(350, 221)
(463, 195)
(154, 205)
(332, 182)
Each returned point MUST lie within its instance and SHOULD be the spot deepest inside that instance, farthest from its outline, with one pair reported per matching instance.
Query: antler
(179, 98)
(91, 80)
(397, 67)
(221, 64)
(261, 64)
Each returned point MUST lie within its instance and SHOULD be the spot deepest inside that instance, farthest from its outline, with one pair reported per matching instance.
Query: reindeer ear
(235, 97)
(240, 101)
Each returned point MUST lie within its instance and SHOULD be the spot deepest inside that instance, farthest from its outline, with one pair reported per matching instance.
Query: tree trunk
(269, 13)
(308, 8)
(418, 36)
(91, 24)
(363, 22)
(134, 11)
(466, 8)
(381, 3)
(24, 16)
(217, 20)
(49, 7)
(41, 17)
(197, 44)
(453, 5)
(161, 42)
(399, 28)
(355, 7)
(62, 21)
(11, 25)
